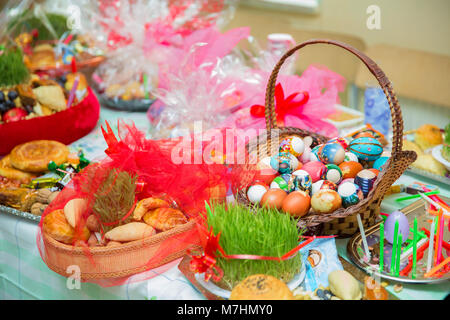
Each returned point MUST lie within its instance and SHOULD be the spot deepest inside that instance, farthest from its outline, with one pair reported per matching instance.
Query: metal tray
(355, 247)
(140, 105)
(25, 215)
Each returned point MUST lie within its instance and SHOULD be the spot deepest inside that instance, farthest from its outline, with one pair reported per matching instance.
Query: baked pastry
(8, 171)
(57, 227)
(411, 146)
(42, 58)
(428, 136)
(130, 232)
(18, 198)
(26, 94)
(261, 287)
(164, 219)
(51, 96)
(428, 163)
(146, 205)
(34, 156)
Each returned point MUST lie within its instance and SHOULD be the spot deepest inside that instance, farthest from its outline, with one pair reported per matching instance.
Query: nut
(43, 195)
(38, 208)
(53, 196)
(92, 223)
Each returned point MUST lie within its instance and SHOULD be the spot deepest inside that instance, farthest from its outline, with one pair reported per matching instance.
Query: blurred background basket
(342, 222)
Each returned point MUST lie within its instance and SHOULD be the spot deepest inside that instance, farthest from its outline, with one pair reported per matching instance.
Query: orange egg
(273, 198)
(350, 169)
(326, 201)
(297, 203)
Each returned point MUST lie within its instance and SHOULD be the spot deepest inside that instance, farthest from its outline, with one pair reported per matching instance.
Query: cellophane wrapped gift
(303, 101)
(141, 36)
(206, 82)
(133, 211)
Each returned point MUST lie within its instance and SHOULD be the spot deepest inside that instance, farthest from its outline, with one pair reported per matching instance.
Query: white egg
(334, 176)
(346, 189)
(316, 186)
(256, 192)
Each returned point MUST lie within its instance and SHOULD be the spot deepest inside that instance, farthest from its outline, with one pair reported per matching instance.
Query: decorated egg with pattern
(281, 182)
(293, 145)
(350, 193)
(341, 141)
(349, 156)
(322, 185)
(380, 162)
(284, 162)
(331, 153)
(333, 173)
(316, 169)
(302, 181)
(314, 156)
(366, 148)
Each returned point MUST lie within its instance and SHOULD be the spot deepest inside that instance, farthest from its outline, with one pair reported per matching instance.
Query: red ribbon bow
(283, 106)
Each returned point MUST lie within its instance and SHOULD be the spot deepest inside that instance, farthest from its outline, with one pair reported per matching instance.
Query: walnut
(43, 196)
(38, 208)
(53, 196)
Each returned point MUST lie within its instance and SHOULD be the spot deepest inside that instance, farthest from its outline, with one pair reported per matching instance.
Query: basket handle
(396, 114)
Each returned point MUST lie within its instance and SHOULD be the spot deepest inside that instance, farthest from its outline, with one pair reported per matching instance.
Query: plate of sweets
(34, 107)
(33, 174)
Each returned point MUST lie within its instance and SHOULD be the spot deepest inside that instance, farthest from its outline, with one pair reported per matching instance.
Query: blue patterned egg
(332, 153)
(350, 194)
(284, 162)
(380, 162)
(301, 181)
(366, 148)
(293, 145)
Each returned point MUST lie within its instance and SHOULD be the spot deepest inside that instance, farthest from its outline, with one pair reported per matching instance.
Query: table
(23, 274)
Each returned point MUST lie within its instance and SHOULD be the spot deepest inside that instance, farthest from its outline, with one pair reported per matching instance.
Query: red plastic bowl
(65, 126)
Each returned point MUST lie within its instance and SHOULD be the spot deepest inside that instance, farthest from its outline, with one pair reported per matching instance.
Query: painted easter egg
(349, 156)
(380, 162)
(297, 203)
(316, 169)
(350, 169)
(366, 148)
(326, 201)
(365, 180)
(350, 193)
(314, 156)
(256, 192)
(389, 226)
(265, 172)
(302, 181)
(341, 141)
(293, 145)
(333, 173)
(322, 185)
(273, 198)
(331, 153)
(281, 182)
(284, 162)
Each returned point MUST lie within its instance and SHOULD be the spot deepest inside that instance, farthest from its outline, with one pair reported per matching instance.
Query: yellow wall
(414, 24)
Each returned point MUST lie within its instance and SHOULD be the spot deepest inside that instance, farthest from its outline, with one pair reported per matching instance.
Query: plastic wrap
(185, 185)
(141, 36)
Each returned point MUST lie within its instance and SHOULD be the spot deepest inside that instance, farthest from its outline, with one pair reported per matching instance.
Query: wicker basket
(113, 262)
(341, 222)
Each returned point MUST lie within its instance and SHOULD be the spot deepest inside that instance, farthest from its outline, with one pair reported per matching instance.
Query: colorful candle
(363, 236)
(394, 248)
(430, 247)
(73, 92)
(440, 237)
(437, 268)
(414, 261)
(399, 253)
(436, 244)
(145, 83)
(382, 247)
